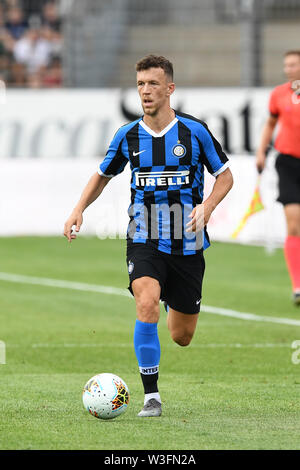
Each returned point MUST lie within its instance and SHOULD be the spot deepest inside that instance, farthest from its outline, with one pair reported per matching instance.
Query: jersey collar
(161, 133)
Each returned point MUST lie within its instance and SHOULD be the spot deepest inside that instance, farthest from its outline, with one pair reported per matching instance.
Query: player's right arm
(265, 140)
(90, 193)
(112, 165)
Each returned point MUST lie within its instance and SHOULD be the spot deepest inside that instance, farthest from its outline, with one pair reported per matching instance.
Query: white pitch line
(81, 286)
(248, 316)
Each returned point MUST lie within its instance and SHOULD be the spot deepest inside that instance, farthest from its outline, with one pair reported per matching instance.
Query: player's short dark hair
(156, 61)
(292, 52)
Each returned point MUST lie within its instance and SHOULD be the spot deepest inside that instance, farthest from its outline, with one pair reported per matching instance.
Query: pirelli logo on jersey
(163, 179)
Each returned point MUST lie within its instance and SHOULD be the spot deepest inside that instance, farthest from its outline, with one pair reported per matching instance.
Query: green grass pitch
(234, 387)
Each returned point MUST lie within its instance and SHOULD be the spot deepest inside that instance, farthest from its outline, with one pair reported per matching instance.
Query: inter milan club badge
(179, 150)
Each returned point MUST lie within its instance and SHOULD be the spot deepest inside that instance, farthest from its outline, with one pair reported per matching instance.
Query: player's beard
(150, 111)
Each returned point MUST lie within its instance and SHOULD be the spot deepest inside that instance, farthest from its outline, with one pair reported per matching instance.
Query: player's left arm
(216, 162)
(200, 215)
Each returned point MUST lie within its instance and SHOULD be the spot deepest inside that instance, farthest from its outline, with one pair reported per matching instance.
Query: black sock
(150, 382)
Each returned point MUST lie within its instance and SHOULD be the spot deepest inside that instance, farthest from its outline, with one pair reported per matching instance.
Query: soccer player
(284, 108)
(166, 236)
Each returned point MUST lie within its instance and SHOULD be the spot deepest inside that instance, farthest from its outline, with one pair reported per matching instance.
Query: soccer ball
(105, 396)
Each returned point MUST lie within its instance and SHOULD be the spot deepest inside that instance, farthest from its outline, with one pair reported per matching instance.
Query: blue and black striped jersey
(167, 179)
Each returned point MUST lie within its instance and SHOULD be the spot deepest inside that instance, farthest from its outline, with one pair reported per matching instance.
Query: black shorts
(288, 169)
(180, 276)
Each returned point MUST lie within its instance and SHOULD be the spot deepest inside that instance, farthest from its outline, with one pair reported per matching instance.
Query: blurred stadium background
(70, 43)
(68, 82)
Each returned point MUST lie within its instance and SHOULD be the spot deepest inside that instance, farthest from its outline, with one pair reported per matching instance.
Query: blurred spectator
(54, 38)
(32, 7)
(52, 76)
(51, 17)
(15, 24)
(33, 50)
(5, 62)
(30, 43)
(18, 74)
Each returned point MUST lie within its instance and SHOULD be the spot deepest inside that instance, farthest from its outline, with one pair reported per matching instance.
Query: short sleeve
(273, 105)
(114, 161)
(211, 152)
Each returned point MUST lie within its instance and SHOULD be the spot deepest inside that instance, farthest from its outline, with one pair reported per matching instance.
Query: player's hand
(199, 216)
(75, 219)
(260, 161)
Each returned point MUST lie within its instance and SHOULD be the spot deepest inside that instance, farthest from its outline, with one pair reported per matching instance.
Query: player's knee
(182, 339)
(148, 309)
(292, 214)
